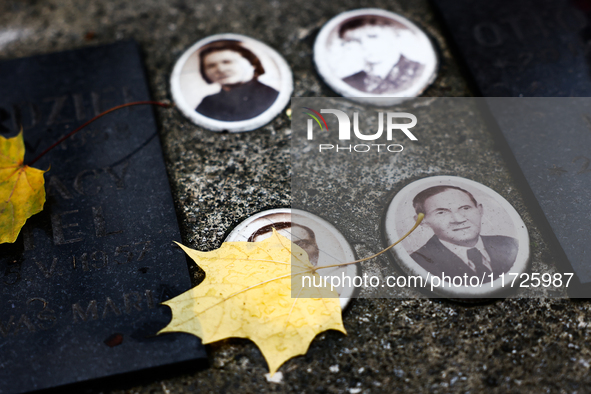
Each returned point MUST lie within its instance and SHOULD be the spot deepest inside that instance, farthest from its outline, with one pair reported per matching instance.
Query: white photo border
(344, 89)
(283, 99)
(411, 267)
(351, 270)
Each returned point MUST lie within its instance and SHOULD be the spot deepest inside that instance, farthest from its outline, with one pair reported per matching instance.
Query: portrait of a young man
(386, 70)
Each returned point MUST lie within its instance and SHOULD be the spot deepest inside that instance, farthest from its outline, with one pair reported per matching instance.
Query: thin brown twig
(419, 220)
(165, 105)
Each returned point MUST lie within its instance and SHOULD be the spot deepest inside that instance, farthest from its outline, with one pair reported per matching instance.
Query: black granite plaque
(523, 48)
(538, 48)
(80, 289)
(551, 141)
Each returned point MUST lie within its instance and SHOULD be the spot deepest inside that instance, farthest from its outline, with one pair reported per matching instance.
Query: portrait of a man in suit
(457, 247)
(386, 70)
(300, 235)
(236, 69)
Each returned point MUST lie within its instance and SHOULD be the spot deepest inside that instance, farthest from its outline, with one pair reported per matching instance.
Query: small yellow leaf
(22, 192)
(246, 294)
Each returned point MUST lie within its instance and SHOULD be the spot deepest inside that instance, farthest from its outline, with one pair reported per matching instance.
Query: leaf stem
(419, 220)
(165, 105)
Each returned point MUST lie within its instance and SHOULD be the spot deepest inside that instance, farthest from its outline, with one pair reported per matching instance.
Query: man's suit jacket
(401, 77)
(437, 259)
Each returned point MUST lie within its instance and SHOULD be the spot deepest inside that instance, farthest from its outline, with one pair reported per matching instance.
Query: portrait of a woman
(236, 69)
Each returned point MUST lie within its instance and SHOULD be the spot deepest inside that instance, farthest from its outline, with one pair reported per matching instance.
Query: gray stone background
(393, 345)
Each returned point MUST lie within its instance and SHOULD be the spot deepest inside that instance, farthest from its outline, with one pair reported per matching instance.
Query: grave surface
(218, 180)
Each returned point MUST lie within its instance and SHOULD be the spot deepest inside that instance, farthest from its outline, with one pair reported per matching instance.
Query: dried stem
(165, 105)
(419, 220)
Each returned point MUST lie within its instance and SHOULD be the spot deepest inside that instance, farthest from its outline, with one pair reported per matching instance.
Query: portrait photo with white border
(324, 244)
(231, 82)
(468, 230)
(373, 53)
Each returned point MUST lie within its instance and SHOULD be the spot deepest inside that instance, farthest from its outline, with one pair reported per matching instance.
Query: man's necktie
(475, 257)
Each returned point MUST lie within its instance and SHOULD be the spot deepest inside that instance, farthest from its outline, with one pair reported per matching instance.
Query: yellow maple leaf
(247, 292)
(22, 192)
